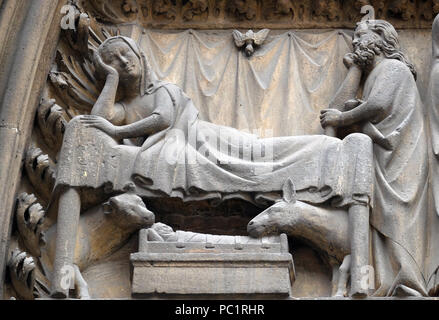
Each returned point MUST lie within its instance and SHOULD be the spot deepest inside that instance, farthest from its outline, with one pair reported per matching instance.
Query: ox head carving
(129, 211)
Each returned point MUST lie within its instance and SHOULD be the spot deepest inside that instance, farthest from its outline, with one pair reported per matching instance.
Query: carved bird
(250, 39)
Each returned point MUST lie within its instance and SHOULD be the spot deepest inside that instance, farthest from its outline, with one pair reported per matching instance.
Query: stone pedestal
(191, 269)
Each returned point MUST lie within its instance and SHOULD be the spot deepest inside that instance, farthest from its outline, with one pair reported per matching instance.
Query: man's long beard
(364, 53)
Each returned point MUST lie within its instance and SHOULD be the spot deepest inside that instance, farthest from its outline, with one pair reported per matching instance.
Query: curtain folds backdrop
(279, 91)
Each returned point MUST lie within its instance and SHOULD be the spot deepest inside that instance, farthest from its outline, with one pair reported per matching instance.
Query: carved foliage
(195, 8)
(29, 217)
(22, 274)
(404, 9)
(72, 74)
(226, 13)
(358, 4)
(165, 9)
(114, 11)
(329, 9)
(74, 81)
(51, 122)
(39, 171)
(429, 10)
(78, 37)
(278, 9)
(241, 9)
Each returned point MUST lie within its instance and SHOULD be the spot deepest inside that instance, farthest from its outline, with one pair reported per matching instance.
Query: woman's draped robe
(399, 219)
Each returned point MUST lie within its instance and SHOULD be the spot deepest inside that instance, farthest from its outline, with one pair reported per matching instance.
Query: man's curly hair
(388, 43)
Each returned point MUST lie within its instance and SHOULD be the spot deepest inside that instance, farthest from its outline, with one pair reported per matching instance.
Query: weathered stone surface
(215, 14)
(194, 268)
(27, 49)
(283, 85)
(134, 104)
(391, 113)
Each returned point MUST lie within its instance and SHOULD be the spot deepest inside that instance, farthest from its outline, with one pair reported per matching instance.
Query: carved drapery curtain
(279, 90)
(282, 87)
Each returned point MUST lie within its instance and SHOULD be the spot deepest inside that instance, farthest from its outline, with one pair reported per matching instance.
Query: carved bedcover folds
(322, 168)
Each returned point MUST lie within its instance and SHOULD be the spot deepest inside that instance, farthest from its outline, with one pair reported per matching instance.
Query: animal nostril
(250, 223)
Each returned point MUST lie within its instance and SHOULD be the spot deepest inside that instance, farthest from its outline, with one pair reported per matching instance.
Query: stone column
(29, 32)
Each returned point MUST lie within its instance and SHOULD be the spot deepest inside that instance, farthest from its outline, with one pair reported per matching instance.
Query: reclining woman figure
(168, 150)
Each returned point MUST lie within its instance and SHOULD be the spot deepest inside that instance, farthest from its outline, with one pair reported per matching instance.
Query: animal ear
(289, 191)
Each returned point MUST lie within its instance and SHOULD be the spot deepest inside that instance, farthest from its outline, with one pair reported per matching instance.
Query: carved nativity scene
(225, 149)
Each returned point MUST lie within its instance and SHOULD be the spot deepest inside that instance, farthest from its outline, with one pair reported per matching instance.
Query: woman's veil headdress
(148, 75)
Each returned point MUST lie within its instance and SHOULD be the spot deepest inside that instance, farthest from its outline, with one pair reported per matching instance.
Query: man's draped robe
(432, 104)
(399, 218)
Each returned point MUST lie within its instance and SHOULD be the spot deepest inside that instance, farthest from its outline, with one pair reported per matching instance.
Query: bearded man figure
(391, 113)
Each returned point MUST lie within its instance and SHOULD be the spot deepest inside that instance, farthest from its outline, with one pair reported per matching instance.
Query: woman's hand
(102, 67)
(99, 123)
(331, 118)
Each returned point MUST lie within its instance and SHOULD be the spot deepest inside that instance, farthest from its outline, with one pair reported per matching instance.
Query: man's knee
(358, 139)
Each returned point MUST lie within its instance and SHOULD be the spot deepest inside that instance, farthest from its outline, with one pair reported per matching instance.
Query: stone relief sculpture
(326, 229)
(250, 40)
(401, 12)
(101, 231)
(432, 112)
(362, 195)
(172, 152)
(162, 232)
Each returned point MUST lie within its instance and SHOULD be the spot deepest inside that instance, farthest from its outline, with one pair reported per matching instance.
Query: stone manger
(221, 266)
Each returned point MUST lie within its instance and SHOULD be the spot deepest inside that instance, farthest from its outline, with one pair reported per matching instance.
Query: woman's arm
(145, 127)
(142, 128)
(105, 105)
(160, 119)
